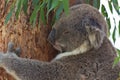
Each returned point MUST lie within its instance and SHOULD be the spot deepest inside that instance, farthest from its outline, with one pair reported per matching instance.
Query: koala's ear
(95, 36)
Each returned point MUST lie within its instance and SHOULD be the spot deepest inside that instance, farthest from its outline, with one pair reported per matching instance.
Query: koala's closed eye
(66, 32)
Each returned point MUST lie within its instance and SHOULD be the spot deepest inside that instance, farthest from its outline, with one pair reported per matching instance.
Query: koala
(85, 51)
(75, 2)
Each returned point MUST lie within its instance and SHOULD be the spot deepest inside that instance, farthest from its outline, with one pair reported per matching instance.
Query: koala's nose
(51, 37)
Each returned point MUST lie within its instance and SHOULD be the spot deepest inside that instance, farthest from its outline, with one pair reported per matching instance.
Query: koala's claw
(10, 47)
(1, 55)
(18, 51)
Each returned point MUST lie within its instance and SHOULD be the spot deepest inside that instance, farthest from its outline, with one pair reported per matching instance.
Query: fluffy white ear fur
(96, 36)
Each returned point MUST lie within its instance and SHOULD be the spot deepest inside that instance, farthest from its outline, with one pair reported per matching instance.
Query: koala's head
(84, 27)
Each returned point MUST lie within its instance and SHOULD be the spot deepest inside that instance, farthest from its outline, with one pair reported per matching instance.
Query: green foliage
(66, 6)
(119, 27)
(58, 12)
(42, 15)
(110, 6)
(113, 35)
(19, 4)
(40, 7)
(96, 3)
(117, 59)
(104, 12)
(25, 6)
(109, 25)
(116, 6)
(34, 14)
(9, 14)
(51, 6)
(87, 1)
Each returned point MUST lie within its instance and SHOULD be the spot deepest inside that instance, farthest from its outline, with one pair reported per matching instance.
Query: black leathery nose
(51, 37)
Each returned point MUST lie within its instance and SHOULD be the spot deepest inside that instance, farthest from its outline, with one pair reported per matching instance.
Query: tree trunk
(33, 41)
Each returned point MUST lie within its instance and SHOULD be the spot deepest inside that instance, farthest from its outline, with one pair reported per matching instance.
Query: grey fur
(84, 32)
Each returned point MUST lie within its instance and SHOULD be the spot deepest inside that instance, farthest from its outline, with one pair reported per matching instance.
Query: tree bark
(33, 41)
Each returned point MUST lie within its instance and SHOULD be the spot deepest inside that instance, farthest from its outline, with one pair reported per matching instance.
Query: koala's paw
(10, 47)
(1, 56)
(11, 51)
(11, 54)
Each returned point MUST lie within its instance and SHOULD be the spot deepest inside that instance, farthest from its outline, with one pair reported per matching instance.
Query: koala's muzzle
(51, 37)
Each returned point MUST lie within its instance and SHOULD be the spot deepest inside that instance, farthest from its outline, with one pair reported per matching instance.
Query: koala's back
(94, 64)
(91, 65)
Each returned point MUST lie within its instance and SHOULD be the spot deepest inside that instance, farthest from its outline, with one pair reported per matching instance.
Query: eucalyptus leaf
(117, 59)
(34, 14)
(118, 51)
(119, 27)
(42, 15)
(109, 25)
(49, 2)
(87, 1)
(58, 11)
(25, 6)
(110, 6)
(116, 6)
(7, 1)
(104, 12)
(9, 15)
(53, 5)
(113, 35)
(96, 3)
(34, 20)
(35, 2)
(66, 6)
(19, 4)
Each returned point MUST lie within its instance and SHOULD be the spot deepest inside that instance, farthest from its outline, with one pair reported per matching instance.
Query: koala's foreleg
(6, 59)
(28, 69)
